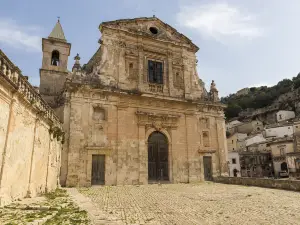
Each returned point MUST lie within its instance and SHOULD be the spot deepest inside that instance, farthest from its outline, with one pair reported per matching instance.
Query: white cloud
(219, 21)
(17, 36)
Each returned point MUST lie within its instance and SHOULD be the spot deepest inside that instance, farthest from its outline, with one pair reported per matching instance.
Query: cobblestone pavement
(204, 203)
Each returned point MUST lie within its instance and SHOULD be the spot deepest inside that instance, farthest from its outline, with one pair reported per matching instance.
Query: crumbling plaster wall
(24, 148)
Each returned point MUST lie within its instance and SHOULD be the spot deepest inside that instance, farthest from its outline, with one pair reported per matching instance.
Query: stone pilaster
(222, 146)
(143, 156)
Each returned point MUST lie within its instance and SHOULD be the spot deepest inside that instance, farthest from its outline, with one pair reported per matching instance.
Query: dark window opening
(55, 58)
(153, 30)
(155, 72)
(233, 161)
(284, 166)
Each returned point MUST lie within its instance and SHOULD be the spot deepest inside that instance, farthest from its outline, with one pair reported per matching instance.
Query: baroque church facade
(137, 111)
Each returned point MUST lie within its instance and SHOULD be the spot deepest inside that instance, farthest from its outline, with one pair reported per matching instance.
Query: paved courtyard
(205, 203)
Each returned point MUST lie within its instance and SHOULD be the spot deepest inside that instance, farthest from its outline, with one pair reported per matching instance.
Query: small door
(98, 169)
(207, 168)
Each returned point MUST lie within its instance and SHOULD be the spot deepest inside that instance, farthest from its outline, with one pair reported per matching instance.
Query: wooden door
(98, 169)
(158, 157)
(207, 163)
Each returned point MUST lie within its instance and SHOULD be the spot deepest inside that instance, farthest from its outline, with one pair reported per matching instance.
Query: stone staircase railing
(12, 74)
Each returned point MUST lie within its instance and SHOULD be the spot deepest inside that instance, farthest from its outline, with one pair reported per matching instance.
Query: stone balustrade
(156, 87)
(13, 75)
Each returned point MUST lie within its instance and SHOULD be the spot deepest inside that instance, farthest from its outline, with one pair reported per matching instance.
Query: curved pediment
(151, 27)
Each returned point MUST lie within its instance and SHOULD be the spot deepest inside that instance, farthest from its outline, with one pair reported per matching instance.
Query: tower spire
(57, 32)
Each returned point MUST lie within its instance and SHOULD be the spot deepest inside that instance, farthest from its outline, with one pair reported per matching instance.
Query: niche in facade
(205, 136)
(204, 123)
(98, 114)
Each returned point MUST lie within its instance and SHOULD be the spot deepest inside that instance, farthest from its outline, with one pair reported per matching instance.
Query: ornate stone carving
(214, 92)
(157, 121)
(178, 80)
(204, 151)
(156, 88)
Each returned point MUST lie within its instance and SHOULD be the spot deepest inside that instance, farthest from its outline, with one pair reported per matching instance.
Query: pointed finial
(58, 19)
(76, 66)
(77, 57)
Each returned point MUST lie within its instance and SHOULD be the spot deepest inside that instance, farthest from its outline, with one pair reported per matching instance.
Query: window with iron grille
(155, 72)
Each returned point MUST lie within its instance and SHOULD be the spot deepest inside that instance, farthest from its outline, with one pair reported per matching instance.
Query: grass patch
(58, 193)
(58, 202)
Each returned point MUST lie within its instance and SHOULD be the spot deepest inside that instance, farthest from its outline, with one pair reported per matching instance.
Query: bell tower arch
(56, 51)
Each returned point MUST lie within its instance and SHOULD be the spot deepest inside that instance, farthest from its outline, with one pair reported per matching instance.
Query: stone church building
(137, 111)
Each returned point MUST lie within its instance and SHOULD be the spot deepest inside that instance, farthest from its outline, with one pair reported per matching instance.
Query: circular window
(153, 30)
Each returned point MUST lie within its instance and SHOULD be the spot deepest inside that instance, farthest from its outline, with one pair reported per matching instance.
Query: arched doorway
(158, 157)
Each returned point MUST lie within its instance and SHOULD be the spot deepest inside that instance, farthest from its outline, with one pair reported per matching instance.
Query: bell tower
(53, 73)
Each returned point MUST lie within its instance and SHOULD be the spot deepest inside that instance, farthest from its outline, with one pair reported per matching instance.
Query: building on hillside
(256, 164)
(280, 148)
(232, 124)
(236, 142)
(137, 112)
(234, 167)
(279, 130)
(256, 160)
(254, 139)
(249, 127)
(293, 162)
(284, 115)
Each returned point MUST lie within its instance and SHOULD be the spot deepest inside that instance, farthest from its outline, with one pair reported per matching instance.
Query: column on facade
(222, 146)
(75, 138)
(141, 62)
(193, 142)
(65, 149)
(143, 156)
(170, 73)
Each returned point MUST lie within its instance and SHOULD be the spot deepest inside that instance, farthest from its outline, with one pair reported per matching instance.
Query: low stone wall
(30, 138)
(293, 185)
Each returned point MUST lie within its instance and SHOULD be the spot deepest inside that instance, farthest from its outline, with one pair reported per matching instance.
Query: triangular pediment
(149, 27)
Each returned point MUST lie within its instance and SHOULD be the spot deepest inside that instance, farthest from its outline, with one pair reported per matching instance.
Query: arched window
(55, 58)
(98, 114)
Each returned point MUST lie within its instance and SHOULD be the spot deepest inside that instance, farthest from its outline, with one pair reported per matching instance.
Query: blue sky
(242, 43)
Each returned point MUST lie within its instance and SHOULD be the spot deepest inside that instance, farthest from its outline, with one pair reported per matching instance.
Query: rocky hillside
(255, 101)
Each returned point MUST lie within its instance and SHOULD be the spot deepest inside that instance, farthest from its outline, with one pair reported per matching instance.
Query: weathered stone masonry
(111, 108)
(30, 138)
